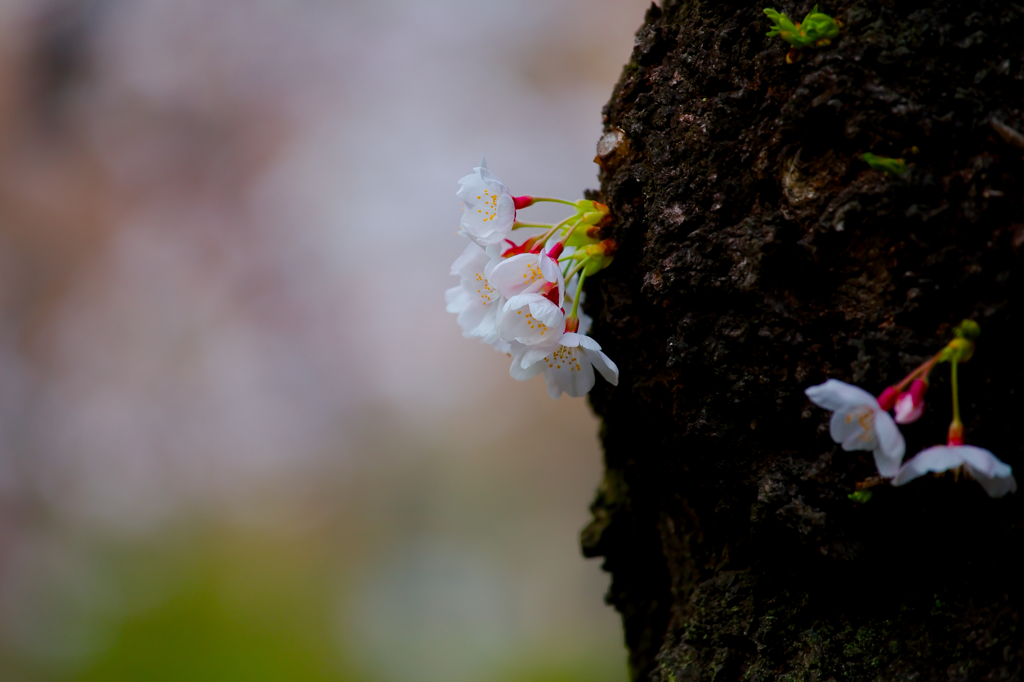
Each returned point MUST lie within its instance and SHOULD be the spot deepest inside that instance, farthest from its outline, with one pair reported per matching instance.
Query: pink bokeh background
(225, 234)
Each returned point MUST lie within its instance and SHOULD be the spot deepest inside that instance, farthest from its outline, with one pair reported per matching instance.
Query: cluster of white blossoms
(515, 296)
(862, 422)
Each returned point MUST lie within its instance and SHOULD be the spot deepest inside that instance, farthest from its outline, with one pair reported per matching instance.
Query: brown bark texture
(759, 255)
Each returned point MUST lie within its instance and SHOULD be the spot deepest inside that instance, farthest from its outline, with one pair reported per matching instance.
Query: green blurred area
(256, 606)
(239, 609)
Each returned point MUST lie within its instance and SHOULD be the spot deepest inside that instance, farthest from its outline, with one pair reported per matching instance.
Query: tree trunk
(760, 255)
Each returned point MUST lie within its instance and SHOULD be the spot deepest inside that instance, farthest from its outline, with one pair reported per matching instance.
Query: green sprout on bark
(861, 496)
(816, 30)
(885, 164)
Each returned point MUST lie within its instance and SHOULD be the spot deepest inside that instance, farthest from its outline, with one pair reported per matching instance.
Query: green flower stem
(922, 371)
(956, 392)
(554, 201)
(576, 298)
(547, 235)
(565, 237)
(577, 269)
(516, 225)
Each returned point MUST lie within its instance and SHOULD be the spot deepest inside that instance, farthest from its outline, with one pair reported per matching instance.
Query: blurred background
(240, 439)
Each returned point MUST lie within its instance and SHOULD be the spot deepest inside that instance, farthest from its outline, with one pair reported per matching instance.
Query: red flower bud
(887, 399)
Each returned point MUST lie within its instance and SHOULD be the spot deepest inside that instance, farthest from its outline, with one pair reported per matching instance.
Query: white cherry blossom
(475, 300)
(530, 319)
(568, 365)
(489, 208)
(994, 475)
(527, 273)
(860, 423)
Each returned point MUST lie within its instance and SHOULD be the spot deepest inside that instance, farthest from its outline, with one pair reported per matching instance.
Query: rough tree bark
(759, 255)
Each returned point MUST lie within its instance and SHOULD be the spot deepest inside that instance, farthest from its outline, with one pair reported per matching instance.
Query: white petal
(549, 268)
(589, 343)
(998, 486)
(570, 373)
(506, 214)
(854, 428)
(530, 328)
(487, 222)
(891, 446)
(471, 318)
(484, 234)
(486, 327)
(603, 364)
(491, 179)
(582, 379)
(494, 252)
(520, 373)
(571, 339)
(983, 461)
(480, 234)
(469, 185)
(835, 395)
(934, 459)
(548, 313)
(473, 259)
(994, 475)
(480, 179)
(507, 276)
(506, 323)
(520, 301)
(456, 299)
(553, 273)
(535, 354)
(554, 389)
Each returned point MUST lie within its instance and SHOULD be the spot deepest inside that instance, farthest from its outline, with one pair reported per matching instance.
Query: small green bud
(596, 265)
(819, 27)
(967, 329)
(816, 30)
(959, 350)
(861, 496)
(885, 163)
(590, 214)
(578, 238)
(599, 256)
(588, 206)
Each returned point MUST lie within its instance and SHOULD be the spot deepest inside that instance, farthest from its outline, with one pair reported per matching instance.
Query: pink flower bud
(523, 201)
(888, 397)
(910, 403)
